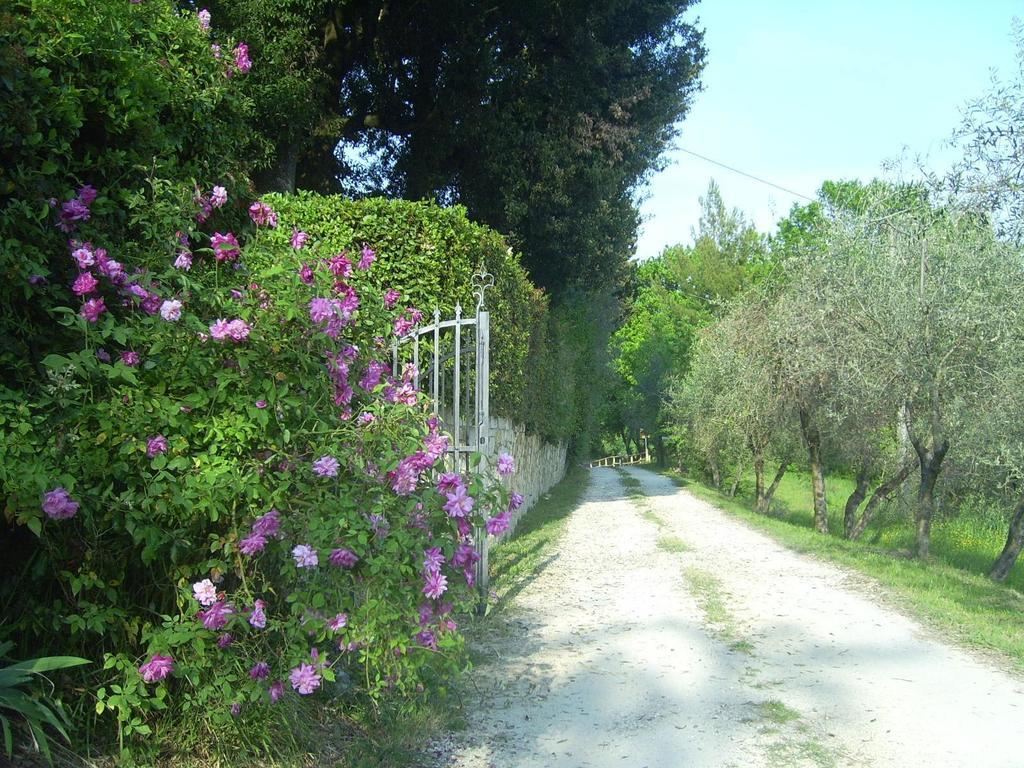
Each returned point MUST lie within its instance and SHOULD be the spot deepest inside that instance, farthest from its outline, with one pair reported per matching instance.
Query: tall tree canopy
(674, 295)
(542, 117)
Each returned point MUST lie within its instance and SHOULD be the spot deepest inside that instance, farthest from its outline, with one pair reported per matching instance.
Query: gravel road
(665, 634)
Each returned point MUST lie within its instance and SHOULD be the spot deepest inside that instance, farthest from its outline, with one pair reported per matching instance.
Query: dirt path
(666, 634)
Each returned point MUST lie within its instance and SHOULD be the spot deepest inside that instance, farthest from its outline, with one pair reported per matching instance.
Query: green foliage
(36, 711)
(988, 177)
(127, 98)
(892, 330)
(289, 84)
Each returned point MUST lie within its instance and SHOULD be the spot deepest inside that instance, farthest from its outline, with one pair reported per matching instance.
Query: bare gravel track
(733, 652)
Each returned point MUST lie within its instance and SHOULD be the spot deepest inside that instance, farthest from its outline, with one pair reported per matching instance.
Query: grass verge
(707, 591)
(964, 606)
(518, 559)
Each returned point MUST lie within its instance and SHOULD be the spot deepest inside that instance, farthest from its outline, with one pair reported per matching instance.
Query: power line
(748, 175)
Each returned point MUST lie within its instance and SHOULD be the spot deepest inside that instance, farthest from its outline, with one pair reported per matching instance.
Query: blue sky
(800, 91)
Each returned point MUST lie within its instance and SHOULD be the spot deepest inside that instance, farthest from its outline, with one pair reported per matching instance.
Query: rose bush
(114, 115)
(234, 499)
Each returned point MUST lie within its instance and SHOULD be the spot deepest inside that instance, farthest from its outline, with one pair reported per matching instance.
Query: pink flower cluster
(216, 616)
(156, 445)
(458, 502)
(157, 668)
(262, 215)
(406, 321)
(305, 678)
(372, 375)
(242, 61)
(305, 556)
(506, 465)
(326, 466)
(207, 203)
(440, 617)
(338, 368)
(402, 390)
(225, 246)
(231, 615)
(343, 558)
(435, 583)
(205, 592)
(91, 261)
(366, 257)
(405, 478)
(334, 314)
(87, 257)
(258, 617)
(236, 330)
(499, 523)
(299, 239)
(58, 504)
(265, 527)
(77, 208)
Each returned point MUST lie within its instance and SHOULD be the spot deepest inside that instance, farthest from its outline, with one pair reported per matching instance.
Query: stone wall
(539, 465)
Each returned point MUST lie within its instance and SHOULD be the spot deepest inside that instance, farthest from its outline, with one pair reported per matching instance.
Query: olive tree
(925, 309)
(730, 397)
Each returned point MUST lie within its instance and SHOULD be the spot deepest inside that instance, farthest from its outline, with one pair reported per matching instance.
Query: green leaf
(8, 737)
(56, 362)
(48, 663)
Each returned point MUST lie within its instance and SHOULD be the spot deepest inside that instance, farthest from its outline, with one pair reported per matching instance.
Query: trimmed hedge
(430, 254)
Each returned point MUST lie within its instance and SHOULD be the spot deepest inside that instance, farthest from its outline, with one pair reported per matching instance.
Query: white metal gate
(455, 359)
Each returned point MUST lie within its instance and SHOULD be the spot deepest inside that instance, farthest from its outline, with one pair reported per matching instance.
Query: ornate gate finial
(481, 281)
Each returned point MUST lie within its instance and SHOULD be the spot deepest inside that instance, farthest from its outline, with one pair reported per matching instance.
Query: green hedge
(430, 253)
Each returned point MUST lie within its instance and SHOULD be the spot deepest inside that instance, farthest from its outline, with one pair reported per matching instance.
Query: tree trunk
(1014, 542)
(758, 478)
(813, 440)
(279, 177)
(882, 492)
(854, 501)
(736, 481)
(775, 484)
(931, 464)
(659, 450)
(716, 472)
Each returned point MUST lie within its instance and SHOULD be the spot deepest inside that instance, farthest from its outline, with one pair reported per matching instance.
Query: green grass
(793, 742)
(518, 559)
(970, 540)
(707, 591)
(963, 605)
(672, 544)
(801, 752)
(396, 735)
(775, 711)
